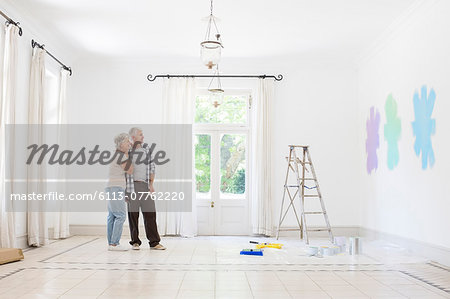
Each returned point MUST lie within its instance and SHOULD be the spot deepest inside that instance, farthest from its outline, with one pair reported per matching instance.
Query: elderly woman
(116, 191)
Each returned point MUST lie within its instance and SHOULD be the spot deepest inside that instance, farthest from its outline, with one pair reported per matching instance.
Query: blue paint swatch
(424, 126)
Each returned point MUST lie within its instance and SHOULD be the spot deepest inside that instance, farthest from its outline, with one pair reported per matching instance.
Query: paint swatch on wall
(424, 126)
(392, 131)
(373, 139)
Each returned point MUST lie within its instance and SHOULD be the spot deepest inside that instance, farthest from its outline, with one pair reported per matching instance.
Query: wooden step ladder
(299, 167)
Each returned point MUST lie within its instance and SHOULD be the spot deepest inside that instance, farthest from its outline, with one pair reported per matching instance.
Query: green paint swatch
(392, 131)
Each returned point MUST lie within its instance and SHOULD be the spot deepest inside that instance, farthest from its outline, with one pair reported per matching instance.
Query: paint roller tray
(252, 252)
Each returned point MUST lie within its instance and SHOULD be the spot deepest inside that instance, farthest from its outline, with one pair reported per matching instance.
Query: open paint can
(312, 250)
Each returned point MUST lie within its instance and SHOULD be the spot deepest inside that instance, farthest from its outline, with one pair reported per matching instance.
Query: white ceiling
(250, 28)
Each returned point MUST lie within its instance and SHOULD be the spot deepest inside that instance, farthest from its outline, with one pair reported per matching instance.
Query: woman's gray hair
(119, 139)
(134, 131)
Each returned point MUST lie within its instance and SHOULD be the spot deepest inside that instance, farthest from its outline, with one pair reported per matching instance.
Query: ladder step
(310, 195)
(318, 229)
(313, 213)
(299, 186)
(300, 162)
(288, 229)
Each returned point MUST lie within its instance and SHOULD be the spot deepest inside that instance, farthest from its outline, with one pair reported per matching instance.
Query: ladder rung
(299, 161)
(317, 229)
(312, 213)
(288, 229)
(307, 179)
(297, 186)
(310, 195)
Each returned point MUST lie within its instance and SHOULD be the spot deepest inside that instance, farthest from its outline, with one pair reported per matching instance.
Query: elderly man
(139, 187)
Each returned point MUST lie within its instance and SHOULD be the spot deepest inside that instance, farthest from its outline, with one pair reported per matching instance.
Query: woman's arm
(127, 166)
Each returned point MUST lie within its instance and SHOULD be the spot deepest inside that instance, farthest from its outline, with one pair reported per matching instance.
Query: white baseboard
(97, 230)
(345, 231)
(434, 253)
(100, 229)
(22, 242)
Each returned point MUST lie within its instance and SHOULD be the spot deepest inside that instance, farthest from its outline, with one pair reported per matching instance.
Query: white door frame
(216, 131)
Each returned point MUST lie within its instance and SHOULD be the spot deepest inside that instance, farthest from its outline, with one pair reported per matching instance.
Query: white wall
(408, 201)
(315, 104)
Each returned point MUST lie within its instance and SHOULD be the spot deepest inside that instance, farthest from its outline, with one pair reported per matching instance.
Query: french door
(221, 168)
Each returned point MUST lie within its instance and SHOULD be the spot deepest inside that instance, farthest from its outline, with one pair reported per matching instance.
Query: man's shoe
(135, 246)
(118, 248)
(158, 247)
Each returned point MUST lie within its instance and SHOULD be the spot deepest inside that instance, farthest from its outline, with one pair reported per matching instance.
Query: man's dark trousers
(147, 206)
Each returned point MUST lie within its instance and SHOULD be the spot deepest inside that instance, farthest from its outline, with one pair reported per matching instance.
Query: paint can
(326, 251)
(312, 250)
(340, 242)
(355, 246)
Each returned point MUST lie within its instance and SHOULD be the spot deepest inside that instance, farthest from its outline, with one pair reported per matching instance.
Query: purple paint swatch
(373, 139)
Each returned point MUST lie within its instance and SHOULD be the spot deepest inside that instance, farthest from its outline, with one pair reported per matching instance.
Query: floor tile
(309, 294)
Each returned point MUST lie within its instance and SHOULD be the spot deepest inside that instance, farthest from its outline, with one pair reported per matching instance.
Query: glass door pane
(233, 110)
(233, 165)
(202, 146)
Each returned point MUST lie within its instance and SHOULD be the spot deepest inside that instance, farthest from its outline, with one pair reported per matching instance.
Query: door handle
(212, 204)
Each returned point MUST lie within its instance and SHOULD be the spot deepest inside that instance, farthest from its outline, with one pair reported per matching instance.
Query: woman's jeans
(117, 211)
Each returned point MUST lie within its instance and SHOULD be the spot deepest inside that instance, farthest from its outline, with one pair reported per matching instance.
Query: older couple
(130, 183)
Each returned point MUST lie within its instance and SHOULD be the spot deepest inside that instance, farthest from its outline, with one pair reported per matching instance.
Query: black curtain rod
(153, 78)
(35, 44)
(10, 21)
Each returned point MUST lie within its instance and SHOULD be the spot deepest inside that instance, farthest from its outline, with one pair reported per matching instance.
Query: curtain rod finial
(69, 69)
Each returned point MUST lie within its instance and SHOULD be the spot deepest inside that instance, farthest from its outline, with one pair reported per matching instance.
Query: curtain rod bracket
(17, 24)
(10, 21)
(35, 44)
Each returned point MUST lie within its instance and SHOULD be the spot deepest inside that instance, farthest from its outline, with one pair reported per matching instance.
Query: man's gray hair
(134, 131)
(119, 139)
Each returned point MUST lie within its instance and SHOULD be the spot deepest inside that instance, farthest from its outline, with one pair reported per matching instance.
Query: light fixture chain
(208, 29)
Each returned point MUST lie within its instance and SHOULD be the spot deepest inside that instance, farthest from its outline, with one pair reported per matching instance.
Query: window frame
(215, 126)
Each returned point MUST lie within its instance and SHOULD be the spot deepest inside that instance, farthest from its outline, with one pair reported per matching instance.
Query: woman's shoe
(118, 248)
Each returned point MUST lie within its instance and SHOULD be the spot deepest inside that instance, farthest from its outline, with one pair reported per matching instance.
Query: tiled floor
(211, 267)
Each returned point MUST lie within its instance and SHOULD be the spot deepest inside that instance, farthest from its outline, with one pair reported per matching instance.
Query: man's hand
(151, 189)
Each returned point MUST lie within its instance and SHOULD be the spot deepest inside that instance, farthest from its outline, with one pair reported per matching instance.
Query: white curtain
(8, 69)
(261, 197)
(36, 179)
(178, 108)
(61, 219)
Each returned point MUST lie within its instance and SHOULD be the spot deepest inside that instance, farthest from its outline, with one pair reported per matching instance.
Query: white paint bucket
(355, 246)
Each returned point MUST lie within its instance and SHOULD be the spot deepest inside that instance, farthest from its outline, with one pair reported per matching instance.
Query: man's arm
(150, 183)
(151, 172)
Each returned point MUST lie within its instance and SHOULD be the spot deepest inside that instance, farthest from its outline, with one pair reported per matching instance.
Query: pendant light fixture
(211, 47)
(215, 90)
